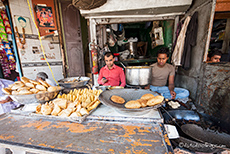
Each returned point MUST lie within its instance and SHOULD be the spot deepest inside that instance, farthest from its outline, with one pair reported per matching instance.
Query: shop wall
(31, 56)
(215, 89)
(190, 79)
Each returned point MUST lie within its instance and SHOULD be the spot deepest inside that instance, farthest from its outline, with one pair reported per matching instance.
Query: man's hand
(147, 87)
(173, 94)
(8, 99)
(103, 80)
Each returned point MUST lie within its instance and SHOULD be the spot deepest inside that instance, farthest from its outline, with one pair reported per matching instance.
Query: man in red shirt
(111, 74)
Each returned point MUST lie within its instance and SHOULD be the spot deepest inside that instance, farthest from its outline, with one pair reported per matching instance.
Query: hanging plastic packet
(4, 15)
(1, 23)
(3, 37)
(9, 52)
(2, 30)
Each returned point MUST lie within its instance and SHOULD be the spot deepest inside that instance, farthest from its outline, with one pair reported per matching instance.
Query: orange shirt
(115, 76)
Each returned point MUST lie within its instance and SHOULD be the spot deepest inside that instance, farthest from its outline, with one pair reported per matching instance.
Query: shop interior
(136, 43)
(220, 35)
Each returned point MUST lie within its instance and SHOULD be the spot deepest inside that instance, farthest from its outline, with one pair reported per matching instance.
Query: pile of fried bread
(144, 101)
(74, 104)
(27, 86)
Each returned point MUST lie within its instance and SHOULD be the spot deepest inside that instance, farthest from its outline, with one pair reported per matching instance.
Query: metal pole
(14, 42)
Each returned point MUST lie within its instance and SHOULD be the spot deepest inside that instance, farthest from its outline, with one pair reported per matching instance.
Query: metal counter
(107, 133)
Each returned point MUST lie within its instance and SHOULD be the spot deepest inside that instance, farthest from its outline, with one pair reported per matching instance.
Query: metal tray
(36, 98)
(83, 81)
(127, 94)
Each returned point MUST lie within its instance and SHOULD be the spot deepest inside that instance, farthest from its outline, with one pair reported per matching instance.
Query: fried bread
(117, 99)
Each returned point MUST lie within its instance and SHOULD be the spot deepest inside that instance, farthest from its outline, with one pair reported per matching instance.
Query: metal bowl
(81, 81)
(127, 94)
(36, 98)
(103, 88)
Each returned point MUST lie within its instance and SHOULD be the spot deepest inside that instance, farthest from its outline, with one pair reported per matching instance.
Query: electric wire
(39, 36)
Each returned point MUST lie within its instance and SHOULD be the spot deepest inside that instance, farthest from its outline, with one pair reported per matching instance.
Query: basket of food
(29, 91)
(73, 82)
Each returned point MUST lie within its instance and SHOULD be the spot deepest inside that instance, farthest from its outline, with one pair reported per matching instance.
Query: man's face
(162, 59)
(216, 58)
(109, 61)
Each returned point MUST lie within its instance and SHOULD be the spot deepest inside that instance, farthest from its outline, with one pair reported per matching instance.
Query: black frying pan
(207, 135)
(127, 94)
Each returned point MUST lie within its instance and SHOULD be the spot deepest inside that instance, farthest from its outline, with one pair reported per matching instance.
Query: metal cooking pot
(138, 75)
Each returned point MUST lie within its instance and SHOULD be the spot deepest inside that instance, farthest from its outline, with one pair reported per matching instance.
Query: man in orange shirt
(111, 74)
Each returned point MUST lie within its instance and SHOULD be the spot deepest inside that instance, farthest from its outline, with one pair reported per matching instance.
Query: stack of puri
(144, 101)
(27, 87)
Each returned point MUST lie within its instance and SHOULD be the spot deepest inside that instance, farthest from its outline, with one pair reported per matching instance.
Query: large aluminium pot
(138, 75)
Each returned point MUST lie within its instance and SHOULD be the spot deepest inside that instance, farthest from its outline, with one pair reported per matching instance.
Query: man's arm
(100, 79)
(171, 86)
(122, 77)
(8, 99)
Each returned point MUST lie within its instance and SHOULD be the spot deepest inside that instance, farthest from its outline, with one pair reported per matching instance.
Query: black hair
(21, 18)
(108, 54)
(163, 50)
(214, 52)
(42, 75)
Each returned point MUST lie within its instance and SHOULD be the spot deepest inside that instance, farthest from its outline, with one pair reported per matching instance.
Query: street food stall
(132, 30)
(44, 125)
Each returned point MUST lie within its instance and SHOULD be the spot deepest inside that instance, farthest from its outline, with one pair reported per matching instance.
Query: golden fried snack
(44, 83)
(133, 104)
(83, 111)
(6, 91)
(75, 114)
(143, 102)
(71, 106)
(93, 106)
(51, 104)
(52, 88)
(28, 84)
(34, 91)
(65, 113)
(117, 99)
(19, 82)
(156, 100)
(17, 85)
(56, 110)
(147, 96)
(41, 87)
(46, 109)
(23, 88)
(40, 92)
(24, 92)
(61, 102)
(14, 92)
(38, 109)
(25, 79)
(35, 82)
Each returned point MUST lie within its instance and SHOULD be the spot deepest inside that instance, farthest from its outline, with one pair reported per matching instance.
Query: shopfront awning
(138, 8)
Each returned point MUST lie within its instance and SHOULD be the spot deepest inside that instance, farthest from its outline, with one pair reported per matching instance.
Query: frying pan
(196, 133)
(127, 94)
(205, 135)
(194, 145)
